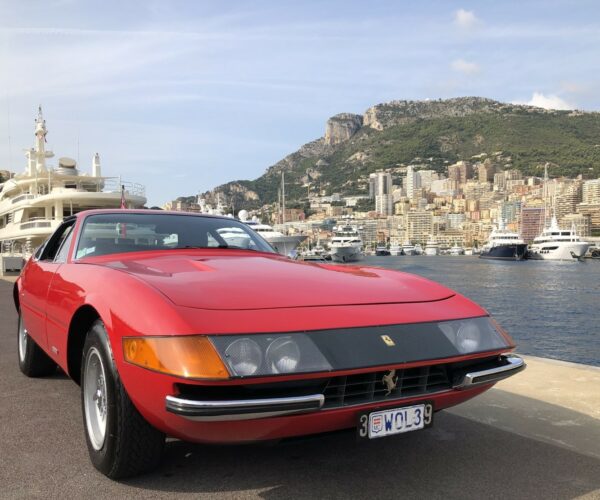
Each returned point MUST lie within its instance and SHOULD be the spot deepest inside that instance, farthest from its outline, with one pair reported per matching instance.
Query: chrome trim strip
(514, 364)
(243, 409)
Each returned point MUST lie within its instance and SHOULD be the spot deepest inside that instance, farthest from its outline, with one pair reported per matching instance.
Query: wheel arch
(80, 324)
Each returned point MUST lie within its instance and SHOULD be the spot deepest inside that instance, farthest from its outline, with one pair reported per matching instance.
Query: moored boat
(504, 245)
(558, 244)
(346, 244)
(35, 202)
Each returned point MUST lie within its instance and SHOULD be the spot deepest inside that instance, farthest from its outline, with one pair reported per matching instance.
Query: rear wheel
(120, 442)
(33, 361)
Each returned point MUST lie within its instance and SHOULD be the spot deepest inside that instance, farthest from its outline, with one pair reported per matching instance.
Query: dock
(535, 435)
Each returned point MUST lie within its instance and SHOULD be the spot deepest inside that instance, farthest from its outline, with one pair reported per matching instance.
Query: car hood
(238, 281)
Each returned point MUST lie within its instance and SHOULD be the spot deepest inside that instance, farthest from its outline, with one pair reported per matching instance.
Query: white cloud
(465, 19)
(550, 101)
(466, 67)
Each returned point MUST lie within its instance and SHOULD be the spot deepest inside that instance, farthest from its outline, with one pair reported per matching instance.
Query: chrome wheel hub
(95, 400)
(22, 340)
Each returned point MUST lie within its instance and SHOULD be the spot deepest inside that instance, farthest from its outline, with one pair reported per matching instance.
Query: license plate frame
(370, 427)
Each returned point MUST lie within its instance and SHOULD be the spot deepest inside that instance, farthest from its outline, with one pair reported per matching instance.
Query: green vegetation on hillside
(570, 143)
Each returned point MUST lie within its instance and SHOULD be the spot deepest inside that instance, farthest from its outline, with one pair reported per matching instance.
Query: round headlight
(468, 337)
(244, 356)
(283, 355)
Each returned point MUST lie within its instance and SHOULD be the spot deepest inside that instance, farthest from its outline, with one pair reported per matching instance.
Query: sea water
(551, 309)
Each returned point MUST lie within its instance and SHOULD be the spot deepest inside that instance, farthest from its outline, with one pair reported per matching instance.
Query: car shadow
(457, 458)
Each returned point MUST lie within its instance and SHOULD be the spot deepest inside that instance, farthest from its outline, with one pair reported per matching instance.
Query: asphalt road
(43, 455)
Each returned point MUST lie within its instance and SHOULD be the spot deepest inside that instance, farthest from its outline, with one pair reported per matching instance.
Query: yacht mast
(545, 194)
(282, 197)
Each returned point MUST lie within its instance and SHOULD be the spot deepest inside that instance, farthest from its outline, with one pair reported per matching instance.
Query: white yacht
(235, 237)
(346, 244)
(283, 244)
(395, 248)
(34, 203)
(418, 249)
(408, 248)
(457, 250)
(558, 244)
(432, 247)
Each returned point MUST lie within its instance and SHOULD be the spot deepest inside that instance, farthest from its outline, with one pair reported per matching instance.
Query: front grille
(350, 390)
(370, 387)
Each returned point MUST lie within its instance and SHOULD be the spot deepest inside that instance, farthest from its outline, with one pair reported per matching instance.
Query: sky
(185, 95)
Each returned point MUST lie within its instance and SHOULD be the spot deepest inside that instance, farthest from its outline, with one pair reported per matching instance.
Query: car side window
(63, 251)
(39, 251)
(55, 242)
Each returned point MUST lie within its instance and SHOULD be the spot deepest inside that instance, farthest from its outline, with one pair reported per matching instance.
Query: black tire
(33, 361)
(129, 445)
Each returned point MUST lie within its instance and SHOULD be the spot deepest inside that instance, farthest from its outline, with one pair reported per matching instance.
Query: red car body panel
(180, 292)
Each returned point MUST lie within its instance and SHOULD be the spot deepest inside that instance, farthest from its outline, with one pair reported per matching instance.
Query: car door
(35, 282)
(60, 302)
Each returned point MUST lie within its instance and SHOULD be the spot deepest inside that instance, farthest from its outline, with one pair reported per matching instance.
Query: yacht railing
(113, 185)
(36, 222)
(22, 197)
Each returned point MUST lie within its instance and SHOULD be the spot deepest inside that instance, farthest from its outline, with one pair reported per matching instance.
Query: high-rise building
(444, 187)
(425, 178)
(513, 175)
(418, 225)
(593, 211)
(460, 171)
(510, 211)
(591, 192)
(499, 181)
(567, 201)
(384, 204)
(486, 171)
(532, 222)
(380, 183)
(582, 223)
(380, 188)
(412, 181)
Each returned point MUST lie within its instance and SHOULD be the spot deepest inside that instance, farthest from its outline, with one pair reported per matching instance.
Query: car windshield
(104, 234)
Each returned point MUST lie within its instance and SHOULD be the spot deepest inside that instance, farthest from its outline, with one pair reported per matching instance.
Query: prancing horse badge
(388, 340)
(390, 380)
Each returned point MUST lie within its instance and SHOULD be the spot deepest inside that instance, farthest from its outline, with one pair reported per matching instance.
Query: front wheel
(120, 442)
(33, 361)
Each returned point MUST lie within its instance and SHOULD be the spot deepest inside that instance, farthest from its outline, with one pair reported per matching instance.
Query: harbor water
(551, 309)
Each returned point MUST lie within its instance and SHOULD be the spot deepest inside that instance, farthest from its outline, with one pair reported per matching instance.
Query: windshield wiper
(233, 247)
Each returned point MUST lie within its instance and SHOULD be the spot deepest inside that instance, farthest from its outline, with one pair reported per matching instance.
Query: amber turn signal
(190, 356)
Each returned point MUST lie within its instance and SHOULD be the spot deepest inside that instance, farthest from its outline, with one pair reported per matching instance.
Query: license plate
(395, 421)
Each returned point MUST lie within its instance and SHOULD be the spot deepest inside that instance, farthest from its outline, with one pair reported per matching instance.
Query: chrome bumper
(243, 409)
(248, 409)
(511, 364)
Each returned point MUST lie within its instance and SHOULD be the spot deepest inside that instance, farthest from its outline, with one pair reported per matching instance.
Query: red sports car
(191, 326)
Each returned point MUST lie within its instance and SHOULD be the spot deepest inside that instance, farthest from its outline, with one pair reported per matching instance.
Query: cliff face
(340, 128)
(394, 113)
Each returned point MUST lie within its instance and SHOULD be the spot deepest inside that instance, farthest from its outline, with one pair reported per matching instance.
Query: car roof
(99, 211)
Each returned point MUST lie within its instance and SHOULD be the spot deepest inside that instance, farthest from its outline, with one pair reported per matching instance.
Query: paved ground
(503, 449)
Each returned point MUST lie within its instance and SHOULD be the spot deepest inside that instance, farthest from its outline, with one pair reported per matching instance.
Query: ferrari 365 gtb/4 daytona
(191, 326)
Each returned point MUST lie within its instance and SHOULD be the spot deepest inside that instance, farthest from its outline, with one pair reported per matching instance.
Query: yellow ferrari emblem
(388, 341)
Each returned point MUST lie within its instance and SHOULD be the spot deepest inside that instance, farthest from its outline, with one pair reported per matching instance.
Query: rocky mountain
(432, 133)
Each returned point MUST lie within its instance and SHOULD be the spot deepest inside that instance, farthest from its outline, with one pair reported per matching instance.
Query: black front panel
(362, 347)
